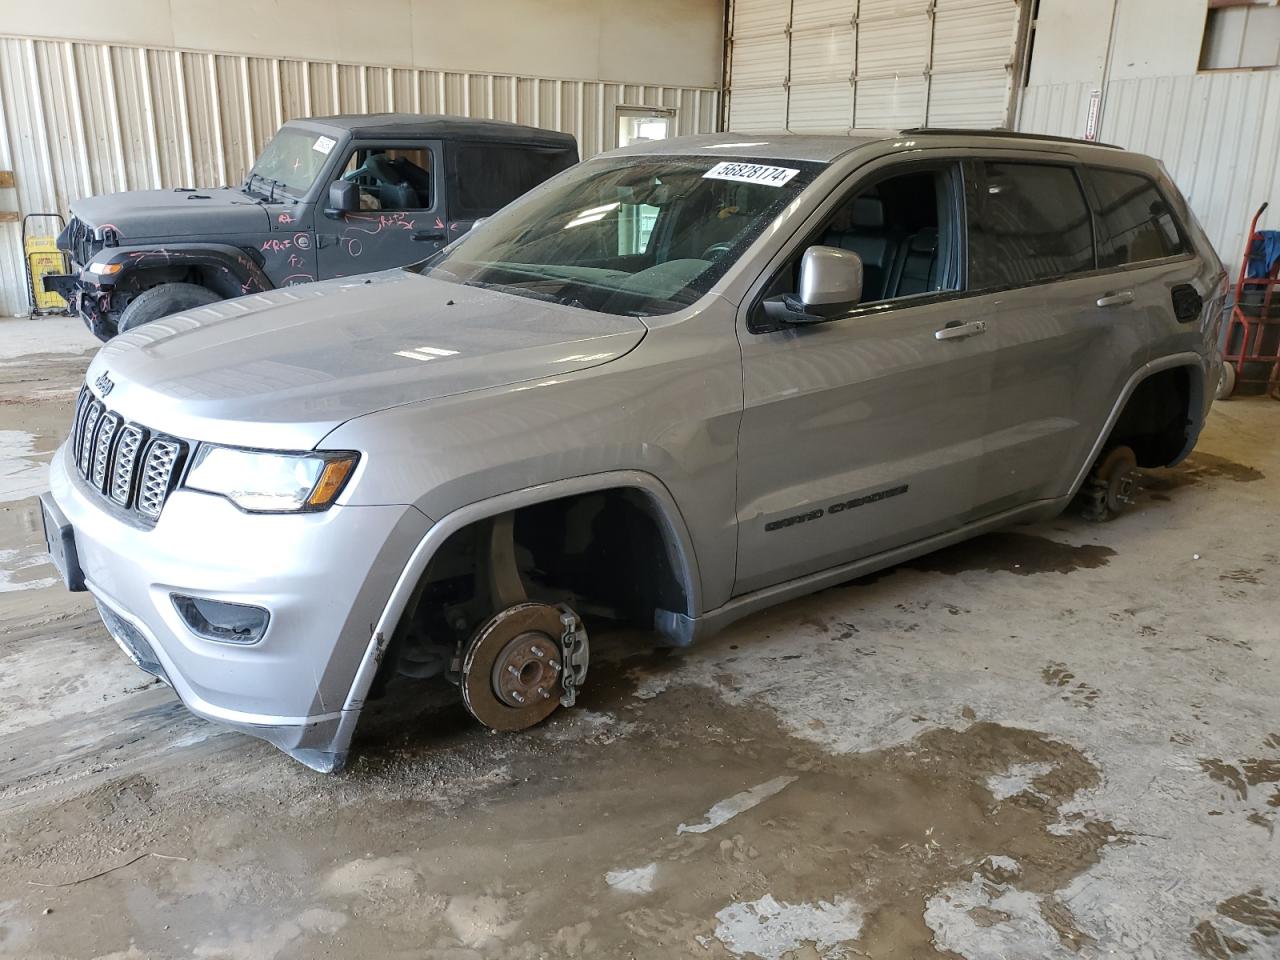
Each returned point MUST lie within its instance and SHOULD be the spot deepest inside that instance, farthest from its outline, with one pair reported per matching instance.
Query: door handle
(428, 235)
(958, 330)
(1121, 299)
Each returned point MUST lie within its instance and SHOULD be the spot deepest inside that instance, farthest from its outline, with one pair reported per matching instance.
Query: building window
(1241, 35)
(637, 124)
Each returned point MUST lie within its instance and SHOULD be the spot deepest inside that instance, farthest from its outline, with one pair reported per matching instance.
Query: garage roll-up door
(828, 65)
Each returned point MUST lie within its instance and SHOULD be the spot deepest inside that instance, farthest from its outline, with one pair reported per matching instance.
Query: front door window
(392, 178)
(401, 218)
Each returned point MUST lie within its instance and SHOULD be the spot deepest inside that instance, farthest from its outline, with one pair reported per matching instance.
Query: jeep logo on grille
(104, 385)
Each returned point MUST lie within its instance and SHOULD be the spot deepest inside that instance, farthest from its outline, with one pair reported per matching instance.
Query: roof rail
(1010, 134)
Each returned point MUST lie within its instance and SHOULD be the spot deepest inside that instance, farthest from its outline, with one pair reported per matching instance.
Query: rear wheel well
(607, 553)
(1156, 421)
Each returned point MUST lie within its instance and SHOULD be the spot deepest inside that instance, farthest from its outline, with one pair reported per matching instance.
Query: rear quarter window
(1135, 223)
(485, 177)
(1028, 222)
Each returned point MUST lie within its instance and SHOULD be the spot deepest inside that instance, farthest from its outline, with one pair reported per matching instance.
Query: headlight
(103, 269)
(263, 482)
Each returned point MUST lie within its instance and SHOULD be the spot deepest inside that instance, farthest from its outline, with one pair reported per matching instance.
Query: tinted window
(487, 176)
(1027, 222)
(902, 229)
(1134, 222)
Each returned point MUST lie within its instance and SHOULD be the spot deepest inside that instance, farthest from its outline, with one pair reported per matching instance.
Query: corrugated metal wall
(830, 65)
(1217, 133)
(78, 119)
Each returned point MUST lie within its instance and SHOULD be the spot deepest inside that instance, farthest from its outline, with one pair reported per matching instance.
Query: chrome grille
(157, 474)
(107, 427)
(122, 472)
(87, 431)
(125, 461)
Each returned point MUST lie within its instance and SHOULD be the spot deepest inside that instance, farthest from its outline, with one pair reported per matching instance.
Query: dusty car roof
(367, 125)
(824, 148)
(775, 146)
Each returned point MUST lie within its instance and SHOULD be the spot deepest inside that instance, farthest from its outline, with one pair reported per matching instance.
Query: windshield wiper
(247, 186)
(273, 184)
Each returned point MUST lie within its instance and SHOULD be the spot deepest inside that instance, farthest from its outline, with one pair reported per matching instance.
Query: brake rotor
(1120, 471)
(511, 671)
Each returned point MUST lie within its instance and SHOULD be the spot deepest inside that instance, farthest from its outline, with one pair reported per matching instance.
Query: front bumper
(92, 304)
(324, 577)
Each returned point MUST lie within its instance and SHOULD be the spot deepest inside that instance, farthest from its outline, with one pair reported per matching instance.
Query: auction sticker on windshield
(323, 145)
(750, 173)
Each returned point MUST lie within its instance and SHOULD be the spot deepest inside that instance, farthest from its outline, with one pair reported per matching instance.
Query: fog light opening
(220, 621)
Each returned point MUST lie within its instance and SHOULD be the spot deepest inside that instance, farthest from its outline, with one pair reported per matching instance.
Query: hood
(282, 369)
(189, 214)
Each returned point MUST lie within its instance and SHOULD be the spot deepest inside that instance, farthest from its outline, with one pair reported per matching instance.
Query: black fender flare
(228, 269)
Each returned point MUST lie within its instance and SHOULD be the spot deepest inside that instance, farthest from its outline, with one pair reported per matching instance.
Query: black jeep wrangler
(328, 197)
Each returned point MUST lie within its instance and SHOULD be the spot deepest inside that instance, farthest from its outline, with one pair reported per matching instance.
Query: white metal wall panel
(972, 67)
(84, 118)
(823, 13)
(907, 63)
(1217, 133)
(752, 18)
(821, 90)
(890, 102)
(978, 99)
(889, 9)
(821, 107)
(894, 46)
(759, 42)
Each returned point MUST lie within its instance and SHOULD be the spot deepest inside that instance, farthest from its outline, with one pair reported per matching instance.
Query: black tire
(1110, 486)
(162, 301)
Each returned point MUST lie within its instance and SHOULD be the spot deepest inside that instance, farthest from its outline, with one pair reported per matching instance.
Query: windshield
(293, 160)
(625, 235)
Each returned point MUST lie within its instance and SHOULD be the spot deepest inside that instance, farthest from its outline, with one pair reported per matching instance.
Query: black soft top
(367, 126)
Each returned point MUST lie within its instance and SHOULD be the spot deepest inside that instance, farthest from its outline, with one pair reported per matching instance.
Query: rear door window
(1028, 223)
(1135, 223)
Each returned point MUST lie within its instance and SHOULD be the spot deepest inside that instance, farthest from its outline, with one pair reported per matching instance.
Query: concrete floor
(1057, 742)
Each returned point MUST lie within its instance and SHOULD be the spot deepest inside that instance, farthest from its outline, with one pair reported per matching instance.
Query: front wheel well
(609, 554)
(1157, 419)
(212, 277)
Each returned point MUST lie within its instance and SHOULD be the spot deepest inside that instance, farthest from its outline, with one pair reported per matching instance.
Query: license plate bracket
(60, 539)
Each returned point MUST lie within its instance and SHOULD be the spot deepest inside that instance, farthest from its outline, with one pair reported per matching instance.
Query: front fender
(676, 535)
(228, 270)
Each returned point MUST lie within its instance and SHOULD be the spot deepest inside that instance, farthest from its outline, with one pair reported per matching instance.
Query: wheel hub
(1123, 485)
(527, 670)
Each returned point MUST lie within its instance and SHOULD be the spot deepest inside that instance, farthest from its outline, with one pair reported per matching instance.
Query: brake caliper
(575, 654)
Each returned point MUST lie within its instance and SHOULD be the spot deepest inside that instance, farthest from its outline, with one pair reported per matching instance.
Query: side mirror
(344, 197)
(830, 285)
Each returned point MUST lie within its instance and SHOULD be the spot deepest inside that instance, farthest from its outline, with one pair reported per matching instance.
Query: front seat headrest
(868, 213)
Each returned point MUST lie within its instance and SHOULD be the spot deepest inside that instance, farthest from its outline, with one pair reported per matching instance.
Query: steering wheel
(715, 250)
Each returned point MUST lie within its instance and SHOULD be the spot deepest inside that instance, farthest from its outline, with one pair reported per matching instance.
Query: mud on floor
(565, 842)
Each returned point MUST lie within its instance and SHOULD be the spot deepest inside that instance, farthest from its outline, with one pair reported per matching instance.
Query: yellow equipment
(43, 257)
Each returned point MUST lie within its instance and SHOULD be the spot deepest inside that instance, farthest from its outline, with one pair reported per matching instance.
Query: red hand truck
(1251, 350)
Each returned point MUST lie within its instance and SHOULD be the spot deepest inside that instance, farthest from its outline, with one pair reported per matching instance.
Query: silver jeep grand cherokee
(672, 385)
